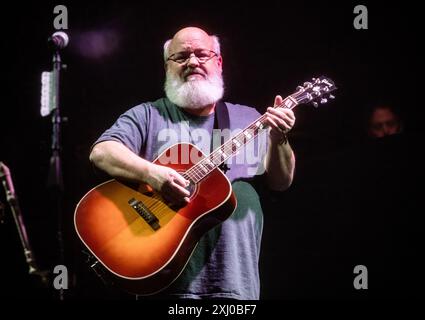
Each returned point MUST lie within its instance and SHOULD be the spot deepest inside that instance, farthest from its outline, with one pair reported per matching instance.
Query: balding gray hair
(216, 46)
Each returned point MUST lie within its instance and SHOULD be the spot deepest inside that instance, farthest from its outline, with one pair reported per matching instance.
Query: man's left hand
(280, 120)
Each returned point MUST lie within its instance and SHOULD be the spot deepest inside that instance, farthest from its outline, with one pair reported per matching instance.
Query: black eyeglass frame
(188, 54)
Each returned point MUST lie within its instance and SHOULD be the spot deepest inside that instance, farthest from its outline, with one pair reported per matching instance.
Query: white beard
(194, 94)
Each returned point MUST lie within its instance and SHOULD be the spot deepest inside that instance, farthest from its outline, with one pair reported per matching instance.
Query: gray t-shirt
(225, 262)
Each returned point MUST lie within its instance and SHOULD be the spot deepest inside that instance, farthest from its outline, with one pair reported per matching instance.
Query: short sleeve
(129, 129)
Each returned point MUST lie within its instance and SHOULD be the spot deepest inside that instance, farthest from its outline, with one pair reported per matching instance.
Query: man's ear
(220, 62)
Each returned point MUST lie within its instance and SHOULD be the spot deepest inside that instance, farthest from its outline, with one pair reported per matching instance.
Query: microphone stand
(55, 177)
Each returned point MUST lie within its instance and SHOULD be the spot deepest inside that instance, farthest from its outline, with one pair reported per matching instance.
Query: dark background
(353, 202)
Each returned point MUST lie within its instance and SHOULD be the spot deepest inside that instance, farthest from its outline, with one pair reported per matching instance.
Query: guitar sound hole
(191, 188)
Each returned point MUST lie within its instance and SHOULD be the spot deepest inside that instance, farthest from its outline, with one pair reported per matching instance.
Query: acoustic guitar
(143, 242)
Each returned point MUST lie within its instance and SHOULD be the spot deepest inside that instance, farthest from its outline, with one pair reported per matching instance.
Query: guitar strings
(195, 170)
(196, 174)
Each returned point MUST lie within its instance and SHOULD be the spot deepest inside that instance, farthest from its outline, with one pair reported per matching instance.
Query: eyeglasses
(203, 55)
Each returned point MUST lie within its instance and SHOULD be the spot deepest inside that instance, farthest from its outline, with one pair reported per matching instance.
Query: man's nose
(193, 61)
(388, 129)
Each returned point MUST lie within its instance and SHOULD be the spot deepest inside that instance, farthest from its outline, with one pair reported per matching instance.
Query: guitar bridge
(145, 213)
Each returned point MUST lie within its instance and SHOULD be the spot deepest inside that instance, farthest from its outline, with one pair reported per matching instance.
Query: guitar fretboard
(232, 146)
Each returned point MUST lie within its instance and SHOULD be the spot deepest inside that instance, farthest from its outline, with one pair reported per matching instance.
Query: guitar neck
(232, 146)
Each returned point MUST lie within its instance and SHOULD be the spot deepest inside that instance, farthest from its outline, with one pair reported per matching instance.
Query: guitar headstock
(315, 92)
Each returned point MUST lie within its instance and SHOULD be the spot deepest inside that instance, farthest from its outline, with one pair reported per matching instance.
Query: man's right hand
(120, 162)
(169, 183)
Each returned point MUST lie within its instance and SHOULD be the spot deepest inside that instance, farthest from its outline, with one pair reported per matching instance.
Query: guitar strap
(221, 122)
(221, 118)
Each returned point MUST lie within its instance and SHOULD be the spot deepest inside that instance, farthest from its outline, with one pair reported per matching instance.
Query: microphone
(59, 40)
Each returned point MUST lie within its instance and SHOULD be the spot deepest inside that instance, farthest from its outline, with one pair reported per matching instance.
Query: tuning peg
(300, 88)
(317, 93)
(315, 104)
(307, 85)
(331, 96)
(324, 100)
